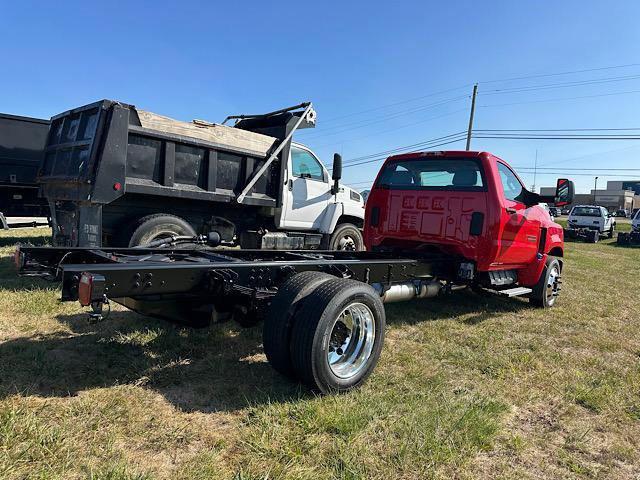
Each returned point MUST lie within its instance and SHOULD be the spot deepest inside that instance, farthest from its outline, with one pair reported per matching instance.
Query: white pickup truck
(590, 222)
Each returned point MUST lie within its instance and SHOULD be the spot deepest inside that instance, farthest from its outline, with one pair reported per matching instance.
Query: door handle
(290, 184)
(510, 210)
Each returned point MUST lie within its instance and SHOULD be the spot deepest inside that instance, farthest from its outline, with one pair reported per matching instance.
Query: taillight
(85, 289)
(91, 288)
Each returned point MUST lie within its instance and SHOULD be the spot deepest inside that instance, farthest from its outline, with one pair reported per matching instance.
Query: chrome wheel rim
(351, 340)
(347, 243)
(553, 290)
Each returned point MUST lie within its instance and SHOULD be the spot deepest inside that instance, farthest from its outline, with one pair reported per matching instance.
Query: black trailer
(324, 318)
(22, 142)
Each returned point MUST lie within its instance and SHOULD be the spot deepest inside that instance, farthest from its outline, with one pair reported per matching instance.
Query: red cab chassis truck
(435, 223)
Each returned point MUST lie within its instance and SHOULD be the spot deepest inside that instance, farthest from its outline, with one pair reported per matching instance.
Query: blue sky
(372, 69)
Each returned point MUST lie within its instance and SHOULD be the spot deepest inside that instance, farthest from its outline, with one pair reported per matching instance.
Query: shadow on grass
(221, 368)
(216, 369)
(475, 307)
(10, 280)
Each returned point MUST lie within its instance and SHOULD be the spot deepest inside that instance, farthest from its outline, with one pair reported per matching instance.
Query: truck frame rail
(148, 272)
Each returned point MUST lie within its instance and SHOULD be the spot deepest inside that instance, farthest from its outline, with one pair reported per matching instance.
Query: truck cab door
(306, 193)
(520, 230)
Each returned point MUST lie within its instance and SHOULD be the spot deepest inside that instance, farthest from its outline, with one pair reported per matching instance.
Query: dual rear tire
(327, 332)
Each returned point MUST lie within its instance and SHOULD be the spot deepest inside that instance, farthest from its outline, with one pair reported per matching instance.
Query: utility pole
(473, 108)
(595, 188)
(535, 172)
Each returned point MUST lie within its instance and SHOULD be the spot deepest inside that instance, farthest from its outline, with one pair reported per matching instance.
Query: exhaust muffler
(401, 292)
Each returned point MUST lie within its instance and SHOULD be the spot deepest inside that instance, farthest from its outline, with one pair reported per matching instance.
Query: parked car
(621, 213)
(555, 211)
(546, 208)
(565, 210)
(590, 222)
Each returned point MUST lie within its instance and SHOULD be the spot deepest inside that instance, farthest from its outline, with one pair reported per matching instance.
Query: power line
(575, 83)
(566, 169)
(559, 137)
(381, 107)
(508, 79)
(367, 122)
(387, 130)
(561, 99)
(578, 174)
(567, 160)
(405, 147)
(384, 158)
(571, 72)
(552, 129)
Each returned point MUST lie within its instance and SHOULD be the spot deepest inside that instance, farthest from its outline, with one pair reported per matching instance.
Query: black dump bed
(99, 153)
(22, 142)
(92, 148)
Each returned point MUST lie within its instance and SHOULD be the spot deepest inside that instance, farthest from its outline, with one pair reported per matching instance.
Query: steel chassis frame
(156, 281)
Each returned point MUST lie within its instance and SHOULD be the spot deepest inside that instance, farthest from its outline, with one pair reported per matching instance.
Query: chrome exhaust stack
(401, 292)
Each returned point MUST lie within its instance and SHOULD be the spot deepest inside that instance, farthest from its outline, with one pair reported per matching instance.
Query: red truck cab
(466, 204)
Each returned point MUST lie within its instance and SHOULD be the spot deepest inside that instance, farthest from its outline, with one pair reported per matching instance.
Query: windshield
(586, 212)
(432, 174)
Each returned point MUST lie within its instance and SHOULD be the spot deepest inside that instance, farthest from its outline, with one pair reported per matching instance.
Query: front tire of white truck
(347, 237)
(158, 226)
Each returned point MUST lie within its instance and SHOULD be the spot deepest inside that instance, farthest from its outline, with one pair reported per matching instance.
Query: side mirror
(336, 172)
(564, 192)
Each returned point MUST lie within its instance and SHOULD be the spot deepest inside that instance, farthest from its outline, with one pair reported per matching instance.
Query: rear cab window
(452, 174)
(586, 212)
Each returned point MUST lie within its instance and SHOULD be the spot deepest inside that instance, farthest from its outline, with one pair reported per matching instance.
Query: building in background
(619, 194)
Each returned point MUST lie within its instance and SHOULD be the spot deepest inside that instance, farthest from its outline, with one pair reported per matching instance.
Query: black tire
(592, 236)
(159, 225)
(623, 238)
(542, 296)
(317, 325)
(276, 333)
(611, 232)
(346, 236)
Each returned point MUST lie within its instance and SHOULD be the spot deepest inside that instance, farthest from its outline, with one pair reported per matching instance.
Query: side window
(305, 165)
(510, 183)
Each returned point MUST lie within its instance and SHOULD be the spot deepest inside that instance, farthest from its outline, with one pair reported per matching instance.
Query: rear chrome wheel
(351, 340)
(338, 335)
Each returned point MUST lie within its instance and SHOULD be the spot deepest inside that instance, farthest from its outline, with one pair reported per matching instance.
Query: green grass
(468, 386)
